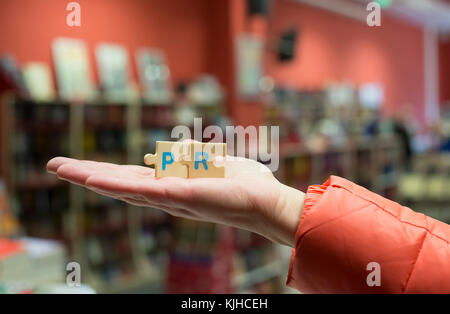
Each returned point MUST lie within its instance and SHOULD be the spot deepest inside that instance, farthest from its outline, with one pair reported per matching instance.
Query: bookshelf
(319, 139)
(122, 247)
(98, 232)
(119, 247)
(425, 187)
(371, 162)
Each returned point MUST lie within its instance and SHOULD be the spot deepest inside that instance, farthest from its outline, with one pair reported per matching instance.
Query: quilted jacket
(351, 240)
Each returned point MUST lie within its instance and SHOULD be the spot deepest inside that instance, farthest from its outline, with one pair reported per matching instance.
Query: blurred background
(371, 104)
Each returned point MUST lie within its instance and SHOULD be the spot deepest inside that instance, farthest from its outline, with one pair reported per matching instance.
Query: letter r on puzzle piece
(200, 161)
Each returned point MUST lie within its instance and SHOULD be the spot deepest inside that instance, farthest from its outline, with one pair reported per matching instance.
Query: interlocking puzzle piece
(200, 161)
(165, 160)
(186, 159)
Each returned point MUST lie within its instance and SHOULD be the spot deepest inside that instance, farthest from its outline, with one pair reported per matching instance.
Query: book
(154, 76)
(32, 261)
(38, 81)
(72, 69)
(113, 69)
(15, 264)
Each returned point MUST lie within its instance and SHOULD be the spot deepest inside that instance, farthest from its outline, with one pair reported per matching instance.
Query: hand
(249, 197)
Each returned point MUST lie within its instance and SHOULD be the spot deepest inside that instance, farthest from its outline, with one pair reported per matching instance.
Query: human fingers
(127, 183)
(54, 163)
(77, 171)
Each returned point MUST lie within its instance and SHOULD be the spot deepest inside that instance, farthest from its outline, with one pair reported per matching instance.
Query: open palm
(249, 197)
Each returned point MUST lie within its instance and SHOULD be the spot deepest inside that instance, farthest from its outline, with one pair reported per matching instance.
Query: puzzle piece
(165, 160)
(200, 161)
(186, 159)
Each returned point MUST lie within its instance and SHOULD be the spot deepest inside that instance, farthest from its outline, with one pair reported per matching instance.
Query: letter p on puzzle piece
(186, 159)
(166, 159)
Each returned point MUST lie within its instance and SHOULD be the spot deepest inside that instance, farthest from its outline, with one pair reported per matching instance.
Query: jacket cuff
(313, 194)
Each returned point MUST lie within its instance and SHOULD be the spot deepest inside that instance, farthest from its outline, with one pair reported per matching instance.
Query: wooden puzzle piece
(166, 160)
(186, 159)
(200, 161)
(203, 170)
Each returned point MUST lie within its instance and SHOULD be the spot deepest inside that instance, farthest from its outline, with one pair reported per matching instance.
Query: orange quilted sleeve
(344, 227)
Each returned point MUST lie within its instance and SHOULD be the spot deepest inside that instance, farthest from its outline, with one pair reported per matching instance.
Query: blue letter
(165, 161)
(203, 161)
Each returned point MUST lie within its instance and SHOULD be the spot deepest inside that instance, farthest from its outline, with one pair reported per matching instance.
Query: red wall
(27, 28)
(197, 36)
(243, 111)
(335, 48)
(444, 70)
(183, 29)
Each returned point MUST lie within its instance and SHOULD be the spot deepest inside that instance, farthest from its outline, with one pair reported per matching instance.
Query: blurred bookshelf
(425, 187)
(120, 247)
(319, 139)
(124, 248)
(100, 233)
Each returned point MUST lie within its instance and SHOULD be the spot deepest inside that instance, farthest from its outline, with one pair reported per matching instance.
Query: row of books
(75, 81)
(427, 179)
(424, 187)
(27, 263)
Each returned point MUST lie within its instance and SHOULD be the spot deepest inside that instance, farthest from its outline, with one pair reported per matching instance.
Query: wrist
(293, 211)
(289, 209)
